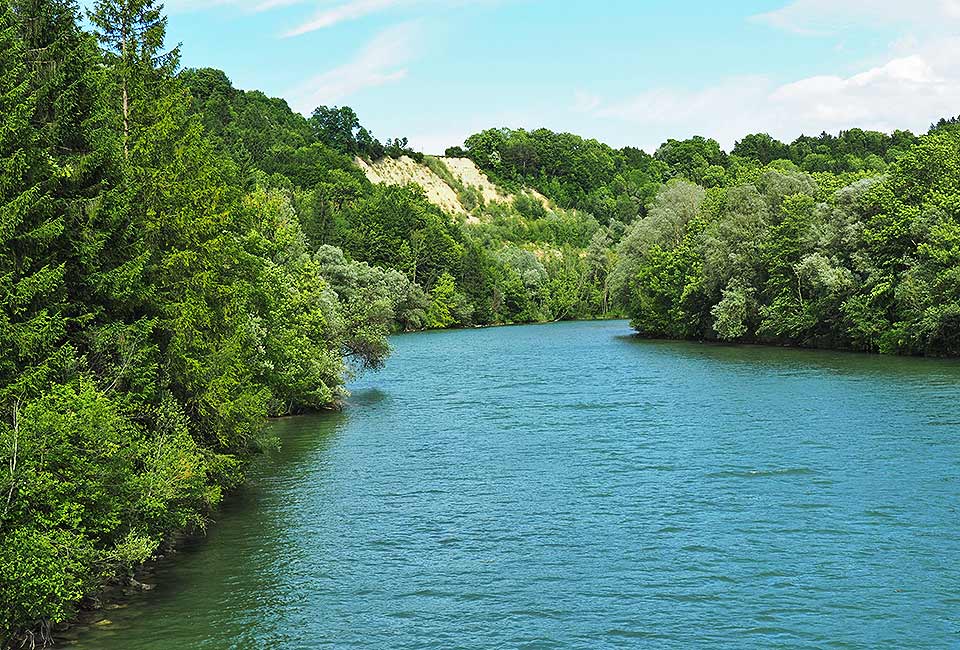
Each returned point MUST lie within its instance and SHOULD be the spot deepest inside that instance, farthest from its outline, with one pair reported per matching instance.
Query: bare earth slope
(405, 170)
(467, 172)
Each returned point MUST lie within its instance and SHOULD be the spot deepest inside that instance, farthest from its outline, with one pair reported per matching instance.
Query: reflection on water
(567, 486)
(804, 360)
(366, 397)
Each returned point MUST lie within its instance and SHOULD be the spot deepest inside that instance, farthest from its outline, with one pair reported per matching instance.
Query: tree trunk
(126, 120)
(126, 96)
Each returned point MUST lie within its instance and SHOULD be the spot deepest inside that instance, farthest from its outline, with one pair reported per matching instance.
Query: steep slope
(469, 175)
(444, 180)
(405, 170)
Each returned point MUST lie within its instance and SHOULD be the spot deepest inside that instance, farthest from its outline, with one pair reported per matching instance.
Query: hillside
(405, 171)
(455, 185)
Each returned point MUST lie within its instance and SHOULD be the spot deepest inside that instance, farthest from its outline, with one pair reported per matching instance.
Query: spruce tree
(132, 33)
(32, 292)
(100, 245)
(58, 56)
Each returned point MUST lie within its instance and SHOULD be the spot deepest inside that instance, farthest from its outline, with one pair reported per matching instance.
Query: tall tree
(132, 32)
(32, 296)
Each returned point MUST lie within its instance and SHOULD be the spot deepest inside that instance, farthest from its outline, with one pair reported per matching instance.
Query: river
(571, 486)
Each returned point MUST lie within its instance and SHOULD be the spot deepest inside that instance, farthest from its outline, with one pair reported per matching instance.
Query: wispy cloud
(350, 10)
(381, 61)
(820, 17)
(327, 14)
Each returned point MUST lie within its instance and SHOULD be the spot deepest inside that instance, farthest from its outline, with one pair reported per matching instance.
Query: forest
(181, 260)
(846, 242)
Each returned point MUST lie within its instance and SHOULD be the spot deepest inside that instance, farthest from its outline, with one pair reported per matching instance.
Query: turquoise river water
(571, 486)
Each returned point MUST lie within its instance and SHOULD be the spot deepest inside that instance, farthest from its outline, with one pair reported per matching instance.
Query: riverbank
(789, 345)
(120, 594)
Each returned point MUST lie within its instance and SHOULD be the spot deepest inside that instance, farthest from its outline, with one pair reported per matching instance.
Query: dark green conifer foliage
(32, 291)
(132, 34)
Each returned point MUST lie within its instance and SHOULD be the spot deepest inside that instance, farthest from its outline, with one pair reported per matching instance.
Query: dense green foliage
(620, 184)
(570, 170)
(157, 304)
(841, 241)
(851, 151)
(512, 263)
(793, 258)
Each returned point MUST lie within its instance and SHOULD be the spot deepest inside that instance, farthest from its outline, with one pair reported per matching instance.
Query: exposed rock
(405, 170)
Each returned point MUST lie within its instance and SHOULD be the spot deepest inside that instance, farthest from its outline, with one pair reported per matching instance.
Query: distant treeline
(848, 241)
(620, 183)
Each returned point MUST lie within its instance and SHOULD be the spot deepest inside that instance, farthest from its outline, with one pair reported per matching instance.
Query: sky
(627, 72)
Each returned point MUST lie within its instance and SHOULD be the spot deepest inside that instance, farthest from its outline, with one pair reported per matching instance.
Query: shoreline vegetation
(181, 260)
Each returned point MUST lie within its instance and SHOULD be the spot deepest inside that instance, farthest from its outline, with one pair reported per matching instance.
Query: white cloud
(381, 62)
(585, 102)
(904, 92)
(909, 91)
(354, 9)
(834, 16)
(350, 10)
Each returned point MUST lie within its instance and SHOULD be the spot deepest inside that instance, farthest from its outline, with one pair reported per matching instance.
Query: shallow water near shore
(572, 486)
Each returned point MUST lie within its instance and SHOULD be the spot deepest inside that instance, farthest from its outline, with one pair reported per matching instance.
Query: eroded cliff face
(446, 189)
(467, 173)
(405, 170)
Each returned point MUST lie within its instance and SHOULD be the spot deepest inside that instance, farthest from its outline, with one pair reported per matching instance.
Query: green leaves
(448, 305)
(870, 265)
(69, 492)
(153, 309)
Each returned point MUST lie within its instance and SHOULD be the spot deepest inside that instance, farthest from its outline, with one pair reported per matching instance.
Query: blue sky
(623, 71)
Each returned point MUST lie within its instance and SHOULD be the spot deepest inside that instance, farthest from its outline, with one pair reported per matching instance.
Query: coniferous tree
(33, 354)
(132, 33)
(32, 322)
(103, 264)
(59, 56)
